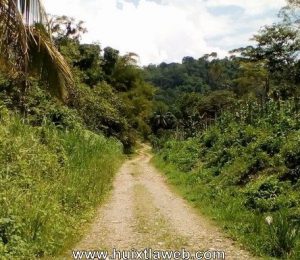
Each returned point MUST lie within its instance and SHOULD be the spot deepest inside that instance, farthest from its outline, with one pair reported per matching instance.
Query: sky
(168, 30)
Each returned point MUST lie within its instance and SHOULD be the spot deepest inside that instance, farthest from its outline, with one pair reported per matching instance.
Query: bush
(101, 111)
(183, 154)
(264, 198)
(291, 150)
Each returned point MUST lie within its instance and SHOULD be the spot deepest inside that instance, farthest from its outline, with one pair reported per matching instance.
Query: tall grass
(50, 182)
(277, 240)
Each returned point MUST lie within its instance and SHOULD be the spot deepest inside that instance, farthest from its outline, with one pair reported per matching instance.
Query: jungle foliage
(225, 130)
(68, 112)
(227, 134)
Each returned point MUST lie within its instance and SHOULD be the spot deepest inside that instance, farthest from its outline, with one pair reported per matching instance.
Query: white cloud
(167, 31)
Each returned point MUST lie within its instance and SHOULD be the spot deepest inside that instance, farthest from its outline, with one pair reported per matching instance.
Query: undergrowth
(50, 182)
(245, 176)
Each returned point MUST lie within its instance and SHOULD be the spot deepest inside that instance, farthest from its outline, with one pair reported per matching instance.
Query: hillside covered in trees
(226, 131)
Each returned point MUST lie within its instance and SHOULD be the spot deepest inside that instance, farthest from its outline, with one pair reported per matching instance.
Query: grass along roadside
(247, 228)
(50, 183)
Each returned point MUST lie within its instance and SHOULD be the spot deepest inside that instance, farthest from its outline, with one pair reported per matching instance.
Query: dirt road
(143, 212)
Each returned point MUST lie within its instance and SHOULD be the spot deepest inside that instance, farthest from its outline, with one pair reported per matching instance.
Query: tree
(111, 57)
(253, 78)
(278, 48)
(136, 94)
(27, 49)
(126, 74)
(89, 62)
(66, 27)
(294, 2)
(161, 120)
(278, 45)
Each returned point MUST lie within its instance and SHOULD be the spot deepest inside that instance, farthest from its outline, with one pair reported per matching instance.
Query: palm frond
(48, 63)
(26, 46)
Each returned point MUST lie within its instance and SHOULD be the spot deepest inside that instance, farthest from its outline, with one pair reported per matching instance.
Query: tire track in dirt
(143, 212)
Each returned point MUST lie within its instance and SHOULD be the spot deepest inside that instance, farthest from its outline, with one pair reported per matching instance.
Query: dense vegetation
(68, 111)
(240, 174)
(227, 133)
(51, 180)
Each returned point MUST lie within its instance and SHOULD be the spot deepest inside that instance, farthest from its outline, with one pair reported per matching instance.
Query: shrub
(291, 150)
(184, 154)
(271, 145)
(264, 198)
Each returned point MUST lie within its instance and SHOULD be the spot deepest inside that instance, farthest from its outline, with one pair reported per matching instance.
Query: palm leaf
(48, 63)
(26, 47)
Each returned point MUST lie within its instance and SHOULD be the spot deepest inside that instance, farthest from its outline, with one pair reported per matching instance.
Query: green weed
(50, 182)
(239, 173)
